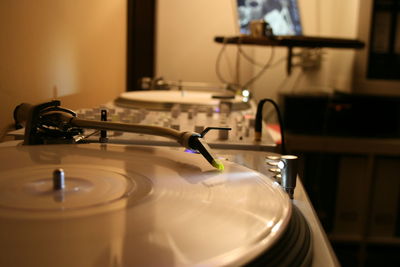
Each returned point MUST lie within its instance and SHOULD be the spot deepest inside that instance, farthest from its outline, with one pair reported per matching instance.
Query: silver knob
(288, 165)
(284, 169)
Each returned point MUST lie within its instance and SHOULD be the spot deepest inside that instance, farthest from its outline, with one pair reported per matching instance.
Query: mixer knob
(175, 111)
(246, 131)
(198, 128)
(190, 114)
(252, 122)
(142, 114)
(135, 118)
(195, 110)
(223, 134)
(166, 123)
(225, 108)
(239, 127)
(210, 111)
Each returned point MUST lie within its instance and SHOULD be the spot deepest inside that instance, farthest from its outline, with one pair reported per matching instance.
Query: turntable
(160, 94)
(129, 205)
(165, 99)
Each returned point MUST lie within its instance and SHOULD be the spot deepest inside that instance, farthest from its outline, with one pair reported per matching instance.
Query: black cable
(269, 64)
(253, 62)
(259, 118)
(218, 63)
(261, 72)
(237, 65)
(217, 71)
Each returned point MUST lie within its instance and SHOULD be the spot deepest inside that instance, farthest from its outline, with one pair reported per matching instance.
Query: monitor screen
(282, 15)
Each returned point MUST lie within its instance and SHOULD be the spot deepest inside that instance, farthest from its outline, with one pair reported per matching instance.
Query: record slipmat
(133, 206)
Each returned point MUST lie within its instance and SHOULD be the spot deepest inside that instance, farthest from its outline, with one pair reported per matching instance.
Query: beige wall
(77, 46)
(185, 32)
(186, 50)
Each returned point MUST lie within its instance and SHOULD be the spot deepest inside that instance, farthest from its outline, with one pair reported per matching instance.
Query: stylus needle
(200, 145)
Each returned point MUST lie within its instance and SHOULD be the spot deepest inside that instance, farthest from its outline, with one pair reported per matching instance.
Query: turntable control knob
(195, 110)
(190, 114)
(144, 111)
(58, 179)
(289, 166)
(210, 111)
(166, 123)
(239, 126)
(135, 118)
(246, 131)
(223, 134)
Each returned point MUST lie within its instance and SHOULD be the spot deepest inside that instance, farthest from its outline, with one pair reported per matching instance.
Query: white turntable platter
(159, 99)
(133, 206)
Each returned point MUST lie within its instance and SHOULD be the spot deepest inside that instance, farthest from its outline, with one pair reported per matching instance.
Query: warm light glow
(246, 93)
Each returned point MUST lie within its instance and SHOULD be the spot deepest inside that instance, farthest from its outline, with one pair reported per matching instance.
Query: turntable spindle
(58, 179)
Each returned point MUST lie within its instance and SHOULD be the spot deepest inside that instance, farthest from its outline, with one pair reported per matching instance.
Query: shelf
(290, 42)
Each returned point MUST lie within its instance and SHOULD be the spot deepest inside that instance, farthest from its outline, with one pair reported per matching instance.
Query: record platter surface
(133, 206)
(165, 99)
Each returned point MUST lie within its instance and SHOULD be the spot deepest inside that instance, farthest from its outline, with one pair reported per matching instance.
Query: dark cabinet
(384, 50)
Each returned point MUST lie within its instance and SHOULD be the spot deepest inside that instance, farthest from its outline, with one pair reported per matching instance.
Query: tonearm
(49, 123)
